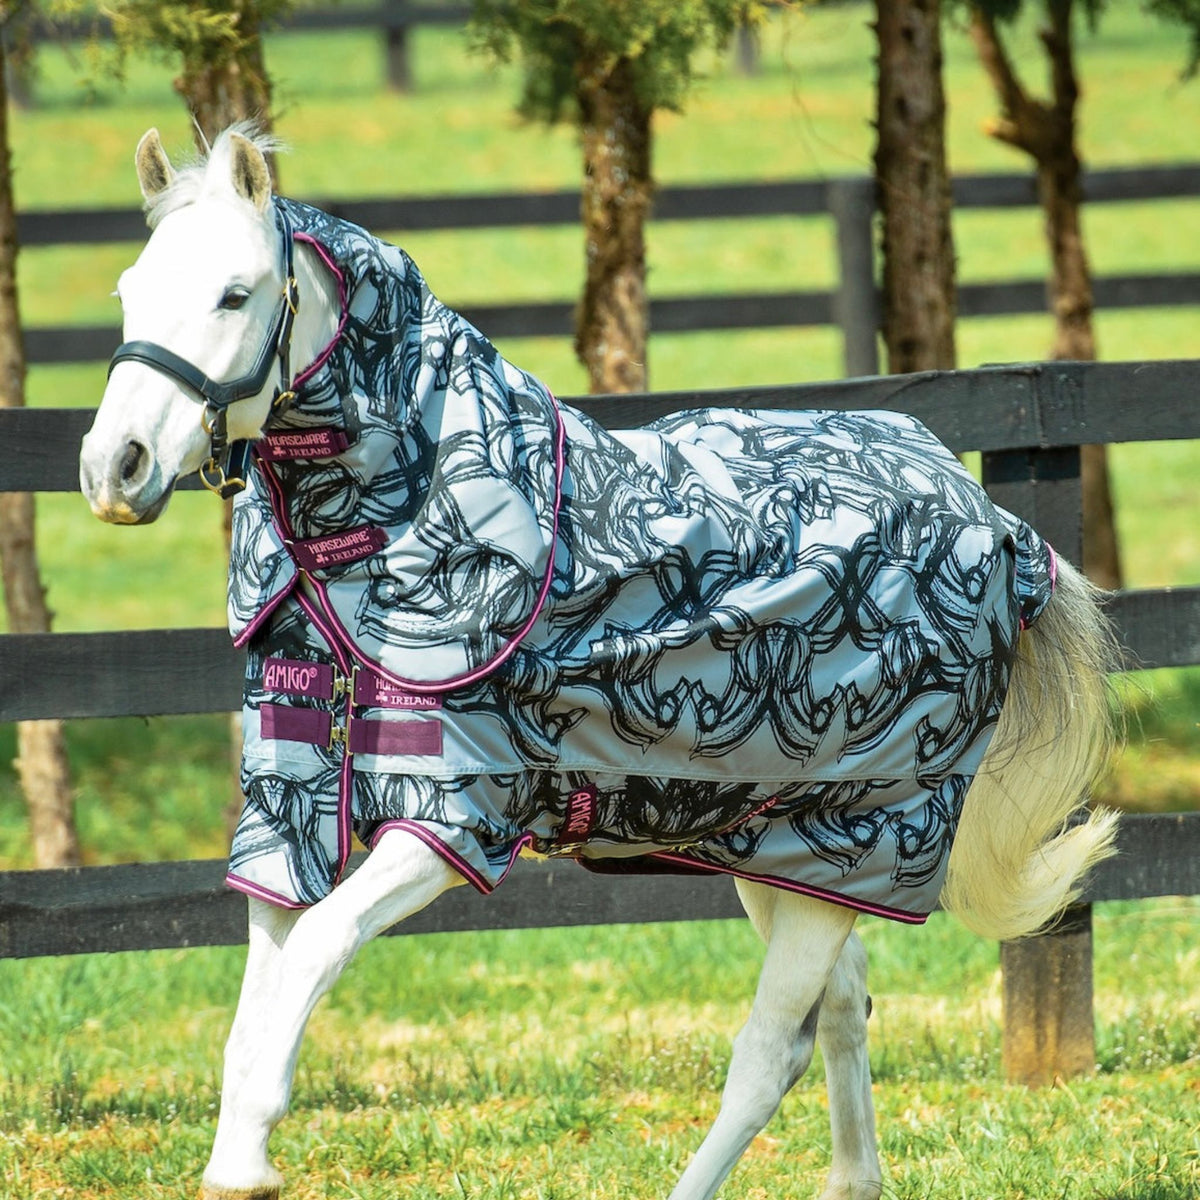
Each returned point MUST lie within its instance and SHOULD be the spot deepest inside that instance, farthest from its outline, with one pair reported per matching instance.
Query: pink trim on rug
(264, 614)
(346, 779)
(790, 885)
(425, 834)
(343, 302)
(238, 884)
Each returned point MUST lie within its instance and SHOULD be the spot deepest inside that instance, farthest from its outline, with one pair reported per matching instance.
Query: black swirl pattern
(774, 644)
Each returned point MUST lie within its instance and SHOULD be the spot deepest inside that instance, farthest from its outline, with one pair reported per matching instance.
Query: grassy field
(569, 1064)
(587, 1063)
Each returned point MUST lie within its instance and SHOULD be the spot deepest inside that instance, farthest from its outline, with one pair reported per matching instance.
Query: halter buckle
(218, 480)
(213, 476)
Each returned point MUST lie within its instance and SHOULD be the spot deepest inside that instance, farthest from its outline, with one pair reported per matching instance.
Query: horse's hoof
(266, 1192)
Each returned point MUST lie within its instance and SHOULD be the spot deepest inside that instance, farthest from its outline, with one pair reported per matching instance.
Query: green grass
(576, 1063)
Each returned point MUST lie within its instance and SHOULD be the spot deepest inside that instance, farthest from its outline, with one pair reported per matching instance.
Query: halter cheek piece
(224, 472)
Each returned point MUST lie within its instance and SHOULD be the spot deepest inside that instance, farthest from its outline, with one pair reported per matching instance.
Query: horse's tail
(1020, 854)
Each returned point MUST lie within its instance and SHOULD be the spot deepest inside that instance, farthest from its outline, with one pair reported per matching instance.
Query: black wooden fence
(1029, 422)
(852, 306)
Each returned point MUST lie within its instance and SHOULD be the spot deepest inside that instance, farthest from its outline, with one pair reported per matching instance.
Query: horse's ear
(154, 170)
(251, 175)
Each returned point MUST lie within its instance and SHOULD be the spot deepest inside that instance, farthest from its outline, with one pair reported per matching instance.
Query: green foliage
(1177, 12)
(213, 32)
(557, 40)
(1187, 14)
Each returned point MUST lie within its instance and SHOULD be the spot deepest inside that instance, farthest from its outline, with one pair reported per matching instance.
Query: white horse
(203, 304)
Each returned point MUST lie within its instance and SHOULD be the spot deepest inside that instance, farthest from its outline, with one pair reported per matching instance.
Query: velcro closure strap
(396, 737)
(284, 445)
(295, 677)
(337, 549)
(282, 723)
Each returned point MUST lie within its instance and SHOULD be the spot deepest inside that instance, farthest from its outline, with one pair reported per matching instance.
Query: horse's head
(203, 295)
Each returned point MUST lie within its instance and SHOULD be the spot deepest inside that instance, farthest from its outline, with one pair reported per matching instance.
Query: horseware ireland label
(337, 549)
(283, 446)
(375, 692)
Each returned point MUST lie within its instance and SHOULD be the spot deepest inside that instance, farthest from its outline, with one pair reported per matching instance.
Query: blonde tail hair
(1019, 857)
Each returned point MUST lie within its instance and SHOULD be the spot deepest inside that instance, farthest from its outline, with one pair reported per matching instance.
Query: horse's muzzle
(125, 488)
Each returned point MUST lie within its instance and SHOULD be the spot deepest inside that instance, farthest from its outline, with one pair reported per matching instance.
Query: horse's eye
(234, 299)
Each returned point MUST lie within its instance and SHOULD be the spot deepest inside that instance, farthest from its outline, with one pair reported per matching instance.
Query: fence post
(851, 202)
(1049, 1024)
(396, 21)
(1049, 1027)
(748, 42)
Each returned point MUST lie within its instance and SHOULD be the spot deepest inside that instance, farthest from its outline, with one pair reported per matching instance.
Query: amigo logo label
(580, 816)
(298, 678)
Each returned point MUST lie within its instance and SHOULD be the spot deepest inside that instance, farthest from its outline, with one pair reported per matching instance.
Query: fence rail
(145, 906)
(853, 306)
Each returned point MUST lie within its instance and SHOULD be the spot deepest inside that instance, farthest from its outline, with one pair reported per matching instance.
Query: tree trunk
(613, 318)
(1046, 131)
(1074, 338)
(41, 753)
(919, 303)
(220, 88)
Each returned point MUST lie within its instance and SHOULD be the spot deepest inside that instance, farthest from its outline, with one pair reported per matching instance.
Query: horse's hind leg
(842, 1036)
(399, 878)
(773, 1049)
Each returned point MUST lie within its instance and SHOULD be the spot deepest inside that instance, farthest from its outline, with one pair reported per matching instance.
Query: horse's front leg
(401, 876)
(269, 927)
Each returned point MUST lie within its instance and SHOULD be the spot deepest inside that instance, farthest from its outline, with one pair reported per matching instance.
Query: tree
(1046, 130)
(41, 751)
(218, 44)
(607, 65)
(913, 182)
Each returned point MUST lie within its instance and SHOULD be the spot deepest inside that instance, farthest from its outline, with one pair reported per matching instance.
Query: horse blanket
(768, 644)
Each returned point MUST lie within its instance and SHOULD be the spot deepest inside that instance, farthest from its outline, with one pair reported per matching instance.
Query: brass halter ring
(213, 477)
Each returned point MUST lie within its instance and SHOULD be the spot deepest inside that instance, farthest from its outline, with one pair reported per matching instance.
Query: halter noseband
(224, 472)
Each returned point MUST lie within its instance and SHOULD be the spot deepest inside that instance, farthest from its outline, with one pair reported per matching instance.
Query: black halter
(224, 472)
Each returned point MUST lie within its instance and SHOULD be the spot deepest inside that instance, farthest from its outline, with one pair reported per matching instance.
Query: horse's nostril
(135, 452)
